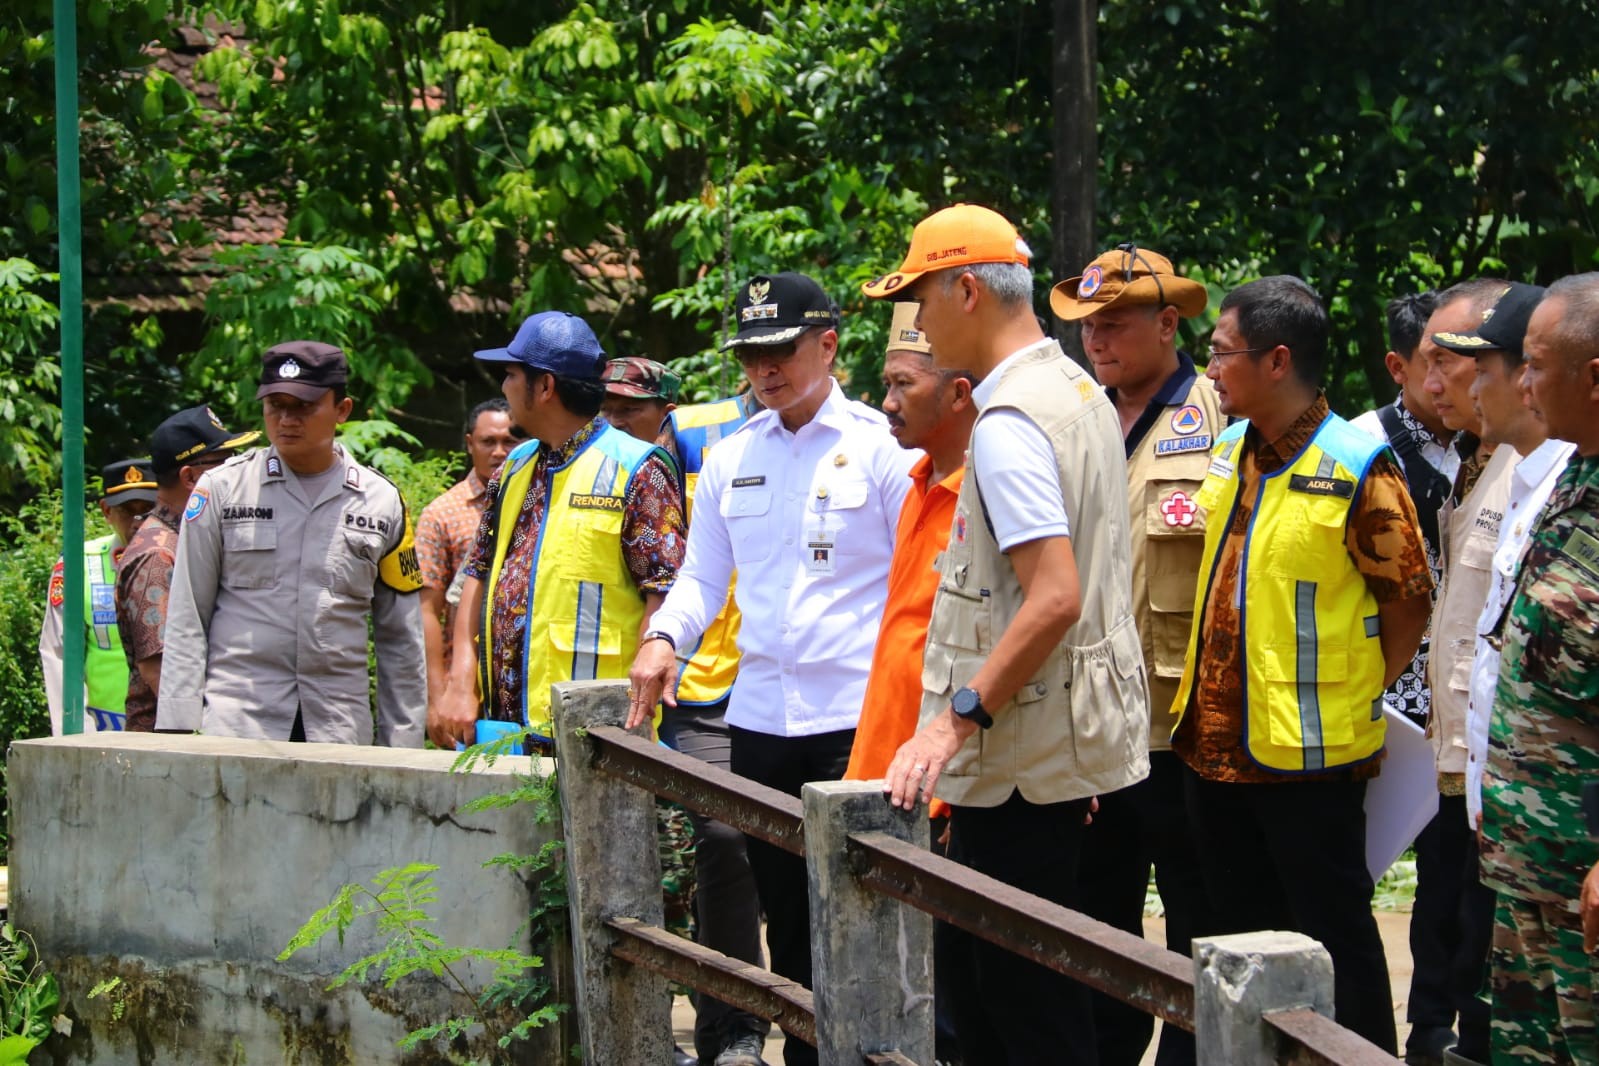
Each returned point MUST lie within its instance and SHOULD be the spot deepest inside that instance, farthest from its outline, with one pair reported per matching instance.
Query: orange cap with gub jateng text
(963, 235)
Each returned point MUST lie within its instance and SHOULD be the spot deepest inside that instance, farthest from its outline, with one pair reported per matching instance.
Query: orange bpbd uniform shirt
(894, 689)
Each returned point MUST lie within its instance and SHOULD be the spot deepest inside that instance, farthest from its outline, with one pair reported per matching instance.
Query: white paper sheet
(1403, 798)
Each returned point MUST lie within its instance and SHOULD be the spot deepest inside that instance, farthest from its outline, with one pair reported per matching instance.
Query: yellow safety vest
(712, 665)
(1314, 665)
(584, 610)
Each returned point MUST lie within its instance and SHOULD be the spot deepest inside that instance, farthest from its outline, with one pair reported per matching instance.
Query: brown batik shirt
(1384, 541)
(143, 580)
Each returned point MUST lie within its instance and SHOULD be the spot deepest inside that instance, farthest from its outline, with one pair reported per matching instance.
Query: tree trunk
(1075, 97)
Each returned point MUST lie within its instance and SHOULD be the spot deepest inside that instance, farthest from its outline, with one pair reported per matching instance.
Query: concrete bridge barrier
(183, 865)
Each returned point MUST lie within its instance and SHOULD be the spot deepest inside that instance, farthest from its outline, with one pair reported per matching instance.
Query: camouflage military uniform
(1543, 746)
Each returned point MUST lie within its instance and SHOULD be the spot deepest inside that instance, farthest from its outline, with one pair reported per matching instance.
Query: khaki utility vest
(1080, 725)
(1468, 533)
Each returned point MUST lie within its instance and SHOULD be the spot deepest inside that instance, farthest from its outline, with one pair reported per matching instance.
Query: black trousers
(1451, 926)
(1136, 828)
(727, 910)
(786, 763)
(1010, 1011)
(1292, 855)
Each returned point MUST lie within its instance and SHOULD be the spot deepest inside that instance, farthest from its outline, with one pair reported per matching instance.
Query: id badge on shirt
(821, 548)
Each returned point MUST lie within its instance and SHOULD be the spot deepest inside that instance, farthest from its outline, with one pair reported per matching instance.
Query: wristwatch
(968, 704)
(656, 634)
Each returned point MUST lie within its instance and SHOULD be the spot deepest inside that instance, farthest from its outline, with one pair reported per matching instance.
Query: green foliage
(30, 423)
(112, 987)
(293, 291)
(420, 480)
(32, 539)
(28, 997)
(1249, 140)
(519, 997)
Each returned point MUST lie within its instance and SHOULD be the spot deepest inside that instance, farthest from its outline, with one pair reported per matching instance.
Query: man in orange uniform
(928, 408)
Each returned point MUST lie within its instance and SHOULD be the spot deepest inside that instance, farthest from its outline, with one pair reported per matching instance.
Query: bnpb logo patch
(1187, 419)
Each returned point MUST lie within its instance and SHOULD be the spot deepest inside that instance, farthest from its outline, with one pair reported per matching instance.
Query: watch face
(966, 701)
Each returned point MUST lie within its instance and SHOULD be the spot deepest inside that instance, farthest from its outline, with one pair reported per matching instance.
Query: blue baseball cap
(555, 341)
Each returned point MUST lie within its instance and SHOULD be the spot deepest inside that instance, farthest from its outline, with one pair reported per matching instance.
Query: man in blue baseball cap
(582, 537)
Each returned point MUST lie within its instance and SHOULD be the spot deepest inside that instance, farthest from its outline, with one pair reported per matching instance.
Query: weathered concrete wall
(184, 864)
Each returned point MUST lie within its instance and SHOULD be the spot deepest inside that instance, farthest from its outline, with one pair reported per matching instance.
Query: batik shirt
(143, 580)
(652, 547)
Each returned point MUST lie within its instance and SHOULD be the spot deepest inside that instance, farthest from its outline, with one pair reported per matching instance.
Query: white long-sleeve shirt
(807, 521)
(1532, 479)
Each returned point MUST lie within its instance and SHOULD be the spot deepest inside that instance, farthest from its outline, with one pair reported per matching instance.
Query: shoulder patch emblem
(1085, 390)
(196, 506)
(1187, 419)
(58, 583)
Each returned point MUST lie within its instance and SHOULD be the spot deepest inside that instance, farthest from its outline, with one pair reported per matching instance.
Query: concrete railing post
(871, 956)
(1238, 978)
(613, 869)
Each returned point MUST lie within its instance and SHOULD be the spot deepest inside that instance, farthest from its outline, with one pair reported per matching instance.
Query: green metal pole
(68, 192)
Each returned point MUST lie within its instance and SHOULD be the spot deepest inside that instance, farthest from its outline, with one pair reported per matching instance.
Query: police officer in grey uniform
(283, 554)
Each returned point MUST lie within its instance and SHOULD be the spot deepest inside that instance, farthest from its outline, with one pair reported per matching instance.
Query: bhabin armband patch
(399, 569)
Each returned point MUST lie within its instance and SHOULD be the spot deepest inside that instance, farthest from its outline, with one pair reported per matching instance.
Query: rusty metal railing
(1127, 967)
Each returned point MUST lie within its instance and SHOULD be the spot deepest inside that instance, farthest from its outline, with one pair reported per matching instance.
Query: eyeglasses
(1215, 355)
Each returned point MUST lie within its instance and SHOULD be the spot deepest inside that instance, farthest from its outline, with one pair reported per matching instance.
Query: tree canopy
(436, 170)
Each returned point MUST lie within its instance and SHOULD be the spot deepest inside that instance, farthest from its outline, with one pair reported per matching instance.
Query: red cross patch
(1179, 509)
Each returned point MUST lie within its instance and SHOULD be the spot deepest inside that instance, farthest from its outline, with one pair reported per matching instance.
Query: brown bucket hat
(1124, 276)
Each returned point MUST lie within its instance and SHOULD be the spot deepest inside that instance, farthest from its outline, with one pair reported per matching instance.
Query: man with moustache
(929, 408)
(1130, 301)
(581, 538)
(285, 557)
(801, 501)
(1543, 743)
(447, 528)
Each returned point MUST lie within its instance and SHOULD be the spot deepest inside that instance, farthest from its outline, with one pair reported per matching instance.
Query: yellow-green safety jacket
(584, 609)
(1313, 679)
(105, 668)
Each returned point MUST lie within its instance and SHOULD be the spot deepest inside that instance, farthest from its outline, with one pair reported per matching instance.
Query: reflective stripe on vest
(712, 664)
(584, 610)
(1314, 668)
(105, 667)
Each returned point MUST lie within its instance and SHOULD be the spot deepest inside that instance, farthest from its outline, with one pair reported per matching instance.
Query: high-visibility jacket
(584, 609)
(1313, 679)
(105, 668)
(712, 664)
